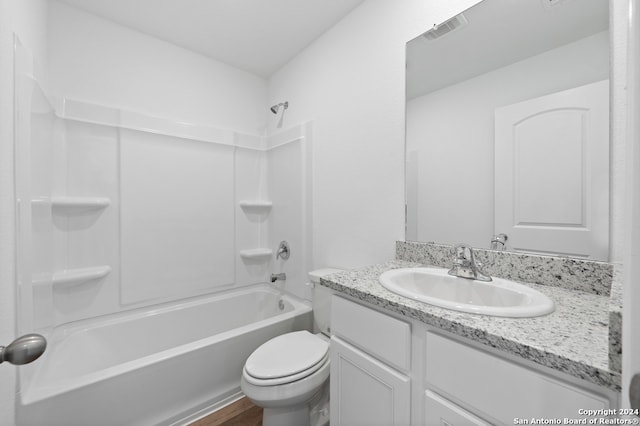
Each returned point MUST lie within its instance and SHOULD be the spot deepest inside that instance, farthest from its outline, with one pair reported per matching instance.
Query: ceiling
(258, 36)
(499, 33)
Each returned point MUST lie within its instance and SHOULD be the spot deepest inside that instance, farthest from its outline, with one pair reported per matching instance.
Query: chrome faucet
(278, 277)
(499, 242)
(465, 265)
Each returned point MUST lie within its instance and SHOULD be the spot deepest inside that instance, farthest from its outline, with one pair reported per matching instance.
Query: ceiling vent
(552, 3)
(446, 27)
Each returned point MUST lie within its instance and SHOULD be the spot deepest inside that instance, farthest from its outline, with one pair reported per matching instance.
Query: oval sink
(500, 297)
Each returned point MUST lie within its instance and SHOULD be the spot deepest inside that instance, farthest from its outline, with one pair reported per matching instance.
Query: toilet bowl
(283, 376)
(288, 375)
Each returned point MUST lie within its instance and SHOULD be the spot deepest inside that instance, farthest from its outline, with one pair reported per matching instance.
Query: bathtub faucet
(278, 277)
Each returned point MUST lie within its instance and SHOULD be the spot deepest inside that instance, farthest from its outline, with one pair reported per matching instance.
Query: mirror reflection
(507, 128)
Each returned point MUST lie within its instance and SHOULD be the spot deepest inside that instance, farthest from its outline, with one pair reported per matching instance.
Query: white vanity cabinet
(370, 358)
(388, 370)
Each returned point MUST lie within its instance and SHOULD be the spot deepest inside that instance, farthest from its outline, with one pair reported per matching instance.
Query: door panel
(552, 173)
(365, 391)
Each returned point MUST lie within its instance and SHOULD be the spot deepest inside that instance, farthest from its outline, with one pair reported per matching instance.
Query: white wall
(450, 134)
(27, 18)
(96, 60)
(351, 83)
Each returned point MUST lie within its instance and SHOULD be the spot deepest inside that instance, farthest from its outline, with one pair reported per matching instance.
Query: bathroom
(346, 114)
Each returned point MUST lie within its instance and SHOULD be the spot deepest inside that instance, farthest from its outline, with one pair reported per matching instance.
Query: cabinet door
(365, 391)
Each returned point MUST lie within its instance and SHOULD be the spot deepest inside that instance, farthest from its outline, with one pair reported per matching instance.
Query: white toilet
(289, 375)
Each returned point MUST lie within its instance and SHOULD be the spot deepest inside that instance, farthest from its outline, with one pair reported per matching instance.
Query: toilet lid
(286, 355)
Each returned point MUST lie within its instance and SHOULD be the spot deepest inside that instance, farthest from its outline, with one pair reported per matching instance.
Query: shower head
(275, 108)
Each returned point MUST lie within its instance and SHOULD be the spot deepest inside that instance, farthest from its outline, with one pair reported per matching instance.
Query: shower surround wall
(135, 210)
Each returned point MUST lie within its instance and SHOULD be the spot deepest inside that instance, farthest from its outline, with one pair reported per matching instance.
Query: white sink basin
(502, 298)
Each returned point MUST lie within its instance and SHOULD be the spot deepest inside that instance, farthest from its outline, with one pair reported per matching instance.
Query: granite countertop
(574, 339)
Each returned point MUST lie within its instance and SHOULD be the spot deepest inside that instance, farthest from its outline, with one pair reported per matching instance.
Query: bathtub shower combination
(144, 249)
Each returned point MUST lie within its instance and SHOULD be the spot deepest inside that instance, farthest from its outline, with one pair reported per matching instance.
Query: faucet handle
(463, 254)
(283, 251)
(499, 242)
(465, 264)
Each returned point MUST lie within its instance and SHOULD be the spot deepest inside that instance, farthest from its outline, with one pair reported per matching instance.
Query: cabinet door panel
(500, 389)
(365, 391)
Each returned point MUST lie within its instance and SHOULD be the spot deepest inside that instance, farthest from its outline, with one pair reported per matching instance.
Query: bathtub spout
(278, 277)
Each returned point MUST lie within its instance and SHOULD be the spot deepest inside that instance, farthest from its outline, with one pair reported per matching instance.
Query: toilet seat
(285, 379)
(286, 358)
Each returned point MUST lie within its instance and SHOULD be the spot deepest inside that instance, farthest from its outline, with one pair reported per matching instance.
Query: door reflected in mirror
(507, 128)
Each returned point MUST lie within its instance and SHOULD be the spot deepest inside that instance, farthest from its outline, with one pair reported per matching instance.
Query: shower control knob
(24, 349)
(283, 251)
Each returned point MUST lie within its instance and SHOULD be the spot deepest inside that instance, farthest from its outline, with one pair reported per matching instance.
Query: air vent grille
(446, 27)
(552, 3)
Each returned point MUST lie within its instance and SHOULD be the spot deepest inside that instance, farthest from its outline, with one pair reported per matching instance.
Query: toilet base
(297, 415)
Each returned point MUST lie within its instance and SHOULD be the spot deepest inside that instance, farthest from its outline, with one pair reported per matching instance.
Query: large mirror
(508, 128)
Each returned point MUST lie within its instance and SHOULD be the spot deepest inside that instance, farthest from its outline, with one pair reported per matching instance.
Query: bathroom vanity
(395, 361)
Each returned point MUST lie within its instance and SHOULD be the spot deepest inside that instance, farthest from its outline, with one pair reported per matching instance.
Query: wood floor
(240, 413)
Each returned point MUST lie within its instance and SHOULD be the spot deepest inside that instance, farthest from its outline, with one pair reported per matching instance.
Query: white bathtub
(159, 366)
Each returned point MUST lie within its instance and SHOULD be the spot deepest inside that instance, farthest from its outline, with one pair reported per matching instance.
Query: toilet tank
(321, 300)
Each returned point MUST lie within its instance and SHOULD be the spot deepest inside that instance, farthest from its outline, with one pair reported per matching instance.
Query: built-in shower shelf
(73, 277)
(80, 203)
(256, 205)
(256, 254)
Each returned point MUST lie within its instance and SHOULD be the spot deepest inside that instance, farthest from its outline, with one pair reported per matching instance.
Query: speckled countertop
(574, 339)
